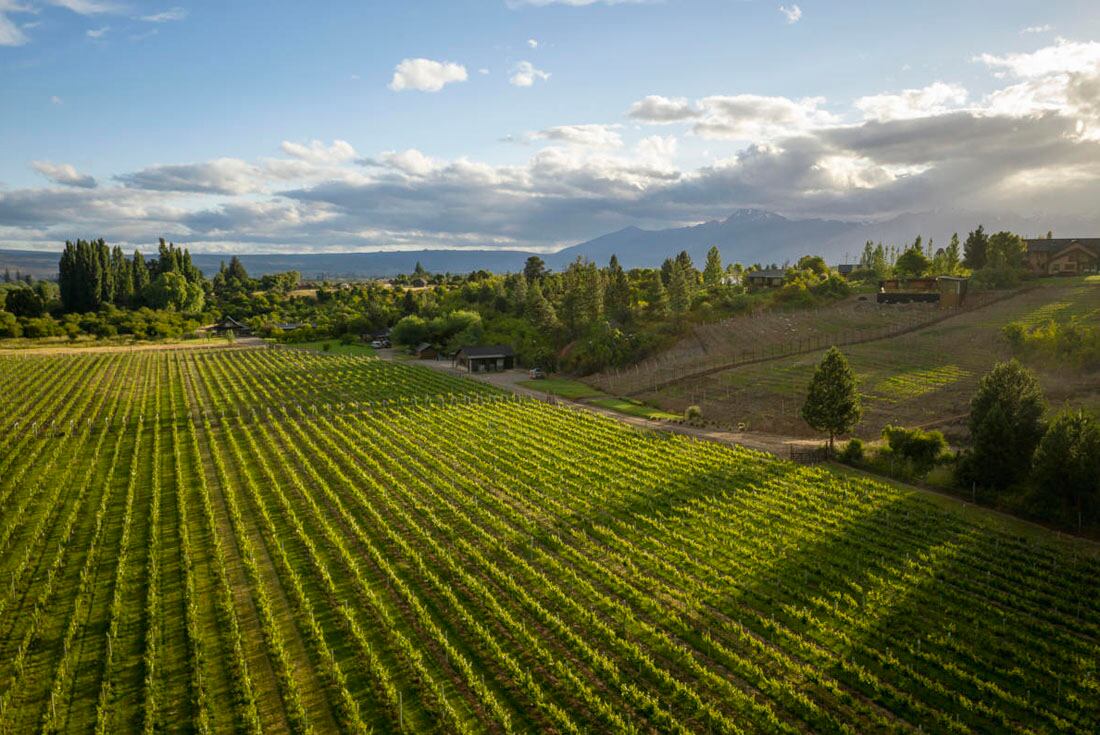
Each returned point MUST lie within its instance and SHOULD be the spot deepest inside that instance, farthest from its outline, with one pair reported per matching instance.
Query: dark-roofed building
(486, 359)
(425, 351)
(846, 269)
(229, 324)
(1063, 256)
(768, 277)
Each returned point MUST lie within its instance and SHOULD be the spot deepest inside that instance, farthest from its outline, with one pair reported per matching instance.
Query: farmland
(263, 540)
(923, 376)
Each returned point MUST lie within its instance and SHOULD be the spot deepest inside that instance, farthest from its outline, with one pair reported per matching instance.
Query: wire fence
(658, 373)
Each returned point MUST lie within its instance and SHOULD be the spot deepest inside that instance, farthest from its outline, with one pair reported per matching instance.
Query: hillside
(921, 377)
(275, 540)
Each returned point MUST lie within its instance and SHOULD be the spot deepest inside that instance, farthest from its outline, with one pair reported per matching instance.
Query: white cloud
(935, 99)
(532, 43)
(10, 33)
(86, 7)
(658, 109)
(482, 71)
(596, 136)
(756, 117)
(792, 13)
(524, 74)
(1036, 29)
(1063, 57)
(317, 152)
(426, 75)
(410, 161)
(64, 173)
(166, 16)
(220, 176)
(97, 32)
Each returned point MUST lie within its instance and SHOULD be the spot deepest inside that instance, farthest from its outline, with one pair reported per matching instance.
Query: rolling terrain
(282, 541)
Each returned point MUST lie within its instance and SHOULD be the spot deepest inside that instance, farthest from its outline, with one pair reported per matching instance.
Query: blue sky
(282, 126)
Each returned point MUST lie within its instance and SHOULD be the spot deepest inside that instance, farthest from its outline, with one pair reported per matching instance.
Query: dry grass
(921, 378)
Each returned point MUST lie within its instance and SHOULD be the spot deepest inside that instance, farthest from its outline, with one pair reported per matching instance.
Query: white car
(376, 344)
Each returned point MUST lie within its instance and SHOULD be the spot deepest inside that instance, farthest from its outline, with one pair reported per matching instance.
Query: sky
(284, 126)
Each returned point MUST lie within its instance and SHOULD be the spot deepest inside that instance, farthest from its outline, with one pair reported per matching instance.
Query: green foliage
(1005, 426)
(832, 401)
(693, 413)
(913, 263)
(974, 249)
(9, 325)
(919, 447)
(25, 302)
(713, 272)
(852, 452)
(1073, 343)
(172, 291)
(1066, 467)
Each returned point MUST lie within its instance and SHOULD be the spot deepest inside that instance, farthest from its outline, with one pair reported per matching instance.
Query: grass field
(913, 379)
(272, 540)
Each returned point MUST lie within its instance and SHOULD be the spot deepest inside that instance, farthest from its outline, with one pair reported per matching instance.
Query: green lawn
(335, 348)
(563, 387)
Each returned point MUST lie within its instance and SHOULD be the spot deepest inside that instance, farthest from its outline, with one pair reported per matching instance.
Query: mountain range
(747, 236)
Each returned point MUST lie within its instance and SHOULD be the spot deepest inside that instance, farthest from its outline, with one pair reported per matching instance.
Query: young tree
(952, 257)
(712, 272)
(534, 269)
(617, 296)
(912, 263)
(832, 402)
(540, 311)
(1066, 467)
(1005, 426)
(679, 289)
(974, 249)
(658, 302)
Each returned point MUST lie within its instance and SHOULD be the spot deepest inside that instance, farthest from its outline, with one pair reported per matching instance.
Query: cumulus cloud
(64, 173)
(317, 152)
(532, 43)
(166, 16)
(596, 136)
(658, 109)
(97, 32)
(935, 99)
(220, 176)
(426, 75)
(1027, 146)
(524, 74)
(792, 13)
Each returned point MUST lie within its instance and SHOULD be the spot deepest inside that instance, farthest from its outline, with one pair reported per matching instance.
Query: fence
(655, 375)
(811, 455)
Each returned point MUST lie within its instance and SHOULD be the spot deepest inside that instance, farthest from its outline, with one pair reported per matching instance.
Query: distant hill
(747, 236)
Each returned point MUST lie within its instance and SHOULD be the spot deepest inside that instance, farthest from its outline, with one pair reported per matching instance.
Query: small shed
(229, 324)
(846, 269)
(425, 351)
(952, 291)
(908, 290)
(288, 326)
(487, 359)
(767, 278)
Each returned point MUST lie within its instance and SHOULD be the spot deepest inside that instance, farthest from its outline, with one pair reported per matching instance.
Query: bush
(693, 413)
(1066, 467)
(853, 452)
(327, 347)
(922, 449)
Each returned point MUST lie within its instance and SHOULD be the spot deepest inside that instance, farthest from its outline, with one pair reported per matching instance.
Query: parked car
(536, 374)
(376, 344)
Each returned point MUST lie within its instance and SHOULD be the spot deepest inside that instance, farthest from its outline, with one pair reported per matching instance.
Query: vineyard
(278, 541)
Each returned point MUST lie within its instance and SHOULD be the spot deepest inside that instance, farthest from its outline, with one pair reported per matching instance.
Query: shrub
(327, 347)
(853, 452)
(1066, 467)
(693, 413)
(921, 448)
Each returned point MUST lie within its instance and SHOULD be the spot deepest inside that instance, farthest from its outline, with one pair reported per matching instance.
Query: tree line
(92, 275)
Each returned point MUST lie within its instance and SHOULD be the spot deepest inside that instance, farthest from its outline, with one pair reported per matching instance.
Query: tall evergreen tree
(140, 271)
(540, 311)
(618, 292)
(679, 288)
(832, 402)
(712, 272)
(974, 249)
